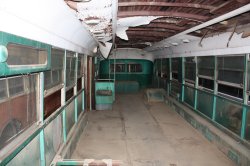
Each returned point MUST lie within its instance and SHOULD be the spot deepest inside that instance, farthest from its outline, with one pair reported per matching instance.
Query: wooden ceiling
(177, 16)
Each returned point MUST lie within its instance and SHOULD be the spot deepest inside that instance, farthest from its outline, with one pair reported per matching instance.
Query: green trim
(196, 84)
(245, 98)
(215, 88)
(5, 70)
(182, 79)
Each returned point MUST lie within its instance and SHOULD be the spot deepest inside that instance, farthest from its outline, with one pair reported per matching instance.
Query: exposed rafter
(166, 4)
(162, 13)
(165, 26)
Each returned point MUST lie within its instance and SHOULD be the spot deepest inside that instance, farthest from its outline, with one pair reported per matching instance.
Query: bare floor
(142, 134)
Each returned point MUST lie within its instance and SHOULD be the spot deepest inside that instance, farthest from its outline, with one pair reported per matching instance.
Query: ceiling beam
(149, 33)
(163, 25)
(122, 14)
(166, 4)
(151, 29)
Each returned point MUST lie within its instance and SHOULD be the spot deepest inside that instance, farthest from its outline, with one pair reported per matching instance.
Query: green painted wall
(144, 78)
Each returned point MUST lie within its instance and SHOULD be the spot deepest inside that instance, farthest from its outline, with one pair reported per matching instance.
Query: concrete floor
(142, 134)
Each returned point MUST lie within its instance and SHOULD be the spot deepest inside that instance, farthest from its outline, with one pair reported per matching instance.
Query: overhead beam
(149, 29)
(149, 33)
(166, 4)
(122, 14)
(163, 25)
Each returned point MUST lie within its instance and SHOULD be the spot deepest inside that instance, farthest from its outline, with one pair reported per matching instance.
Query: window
(206, 71)
(175, 64)
(70, 69)
(16, 86)
(206, 66)
(25, 55)
(231, 69)
(54, 76)
(134, 68)
(19, 111)
(206, 83)
(80, 66)
(190, 69)
(119, 67)
(230, 75)
(165, 68)
(3, 89)
(229, 90)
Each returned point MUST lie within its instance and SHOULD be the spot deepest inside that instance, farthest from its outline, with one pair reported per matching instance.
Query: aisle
(142, 134)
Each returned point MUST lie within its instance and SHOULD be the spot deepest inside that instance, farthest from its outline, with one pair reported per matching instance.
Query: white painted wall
(214, 46)
(48, 21)
(131, 53)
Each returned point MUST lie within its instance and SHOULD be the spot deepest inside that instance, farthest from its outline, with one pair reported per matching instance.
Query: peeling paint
(124, 23)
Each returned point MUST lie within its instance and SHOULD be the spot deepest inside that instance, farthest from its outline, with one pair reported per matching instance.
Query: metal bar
(245, 98)
(90, 85)
(170, 75)
(182, 78)
(75, 89)
(215, 88)
(63, 98)
(41, 118)
(196, 84)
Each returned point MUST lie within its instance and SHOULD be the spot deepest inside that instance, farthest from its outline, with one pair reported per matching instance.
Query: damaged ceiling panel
(96, 16)
(164, 19)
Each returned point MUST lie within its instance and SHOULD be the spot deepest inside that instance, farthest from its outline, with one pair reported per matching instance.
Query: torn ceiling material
(96, 16)
(175, 17)
(124, 23)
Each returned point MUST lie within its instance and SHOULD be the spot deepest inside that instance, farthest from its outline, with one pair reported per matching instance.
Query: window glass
(20, 110)
(70, 69)
(206, 66)
(54, 77)
(119, 67)
(134, 68)
(175, 64)
(231, 69)
(80, 66)
(26, 55)
(16, 86)
(3, 88)
(190, 68)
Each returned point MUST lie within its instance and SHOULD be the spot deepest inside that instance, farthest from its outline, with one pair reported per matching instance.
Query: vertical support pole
(215, 87)
(41, 118)
(196, 84)
(182, 78)
(90, 85)
(75, 89)
(170, 76)
(63, 98)
(84, 78)
(245, 98)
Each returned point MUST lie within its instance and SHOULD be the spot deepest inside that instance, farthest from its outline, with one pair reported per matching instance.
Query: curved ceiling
(172, 17)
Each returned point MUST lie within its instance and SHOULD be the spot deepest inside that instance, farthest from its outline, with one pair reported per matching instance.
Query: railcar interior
(125, 82)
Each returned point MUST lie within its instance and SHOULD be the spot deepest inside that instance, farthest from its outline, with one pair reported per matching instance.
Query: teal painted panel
(205, 103)
(126, 86)
(189, 96)
(6, 70)
(247, 132)
(104, 86)
(144, 78)
(229, 115)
